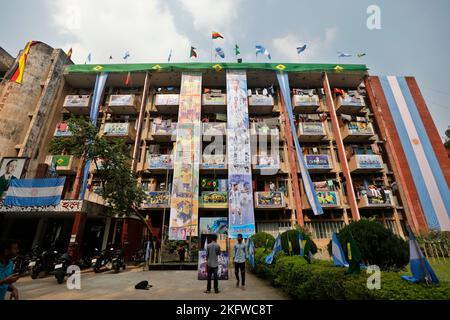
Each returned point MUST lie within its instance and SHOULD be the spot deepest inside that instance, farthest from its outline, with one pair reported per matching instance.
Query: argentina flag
(276, 248)
(338, 254)
(35, 192)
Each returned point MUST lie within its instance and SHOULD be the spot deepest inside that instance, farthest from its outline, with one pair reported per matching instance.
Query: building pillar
(76, 236)
(341, 150)
(292, 162)
(40, 232)
(106, 233)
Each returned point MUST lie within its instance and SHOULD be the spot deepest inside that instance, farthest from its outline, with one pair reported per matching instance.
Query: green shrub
(378, 245)
(292, 235)
(263, 240)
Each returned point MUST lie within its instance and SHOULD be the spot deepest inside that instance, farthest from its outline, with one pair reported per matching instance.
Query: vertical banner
(311, 194)
(100, 83)
(240, 204)
(184, 200)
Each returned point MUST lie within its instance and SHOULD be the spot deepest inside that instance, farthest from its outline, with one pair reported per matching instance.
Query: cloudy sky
(413, 39)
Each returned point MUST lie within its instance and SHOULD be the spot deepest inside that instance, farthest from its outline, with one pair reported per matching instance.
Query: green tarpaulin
(290, 67)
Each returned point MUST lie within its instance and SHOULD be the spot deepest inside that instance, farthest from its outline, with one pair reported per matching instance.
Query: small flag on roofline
(193, 53)
(301, 49)
(343, 55)
(170, 56)
(88, 58)
(220, 53)
(261, 50)
(237, 50)
(360, 55)
(215, 35)
(126, 55)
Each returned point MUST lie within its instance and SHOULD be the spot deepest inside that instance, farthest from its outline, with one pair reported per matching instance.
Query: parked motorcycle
(101, 260)
(61, 264)
(118, 260)
(43, 262)
(21, 263)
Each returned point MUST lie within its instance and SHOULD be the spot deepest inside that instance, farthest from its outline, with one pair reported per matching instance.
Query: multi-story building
(354, 146)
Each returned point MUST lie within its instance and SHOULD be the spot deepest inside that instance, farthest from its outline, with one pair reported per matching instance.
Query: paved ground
(166, 285)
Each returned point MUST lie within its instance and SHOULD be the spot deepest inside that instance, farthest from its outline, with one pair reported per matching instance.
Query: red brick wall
(430, 127)
(386, 124)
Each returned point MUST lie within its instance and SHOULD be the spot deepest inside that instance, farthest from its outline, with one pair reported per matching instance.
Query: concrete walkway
(170, 285)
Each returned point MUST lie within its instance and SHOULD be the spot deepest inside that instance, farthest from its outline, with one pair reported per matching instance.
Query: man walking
(212, 254)
(240, 253)
(8, 250)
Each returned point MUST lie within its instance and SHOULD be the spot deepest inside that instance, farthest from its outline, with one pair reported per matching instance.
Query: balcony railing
(356, 131)
(162, 131)
(214, 102)
(379, 201)
(260, 104)
(157, 199)
(119, 130)
(62, 130)
(351, 102)
(266, 162)
(327, 199)
(214, 128)
(159, 161)
(123, 104)
(63, 164)
(167, 103)
(213, 161)
(269, 199)
(318, 162)
(214, 199)
(305, 103)
(311, 131)
(365, 163)
(77, 104)
(261, 128)
(94, 195)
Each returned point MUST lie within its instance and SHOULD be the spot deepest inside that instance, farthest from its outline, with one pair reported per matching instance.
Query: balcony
(327, 199)
(318, 163)
(213, 162)
(123, 104)
(159, 162)
(64, 164)
(268, 164)
(355, 131)
(156, 199)
(262, 128)
(269, 199)
(167, 103)
(365, 163)
(62, 130)
(260, 104)
(77, 104)
(119, 130)
(213, 129)
(94, 195)
(214, 200)
(305, 103)
(367, 201)
(349, 103)
(162, 130)
(214, 102)
(311, 131)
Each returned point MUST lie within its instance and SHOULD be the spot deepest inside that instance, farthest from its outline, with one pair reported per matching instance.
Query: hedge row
(321, 280)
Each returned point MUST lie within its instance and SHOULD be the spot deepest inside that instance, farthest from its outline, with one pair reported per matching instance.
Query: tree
(447, 138)
(121, 192)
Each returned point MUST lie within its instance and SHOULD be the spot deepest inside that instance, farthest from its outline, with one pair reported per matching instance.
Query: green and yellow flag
(354, 256)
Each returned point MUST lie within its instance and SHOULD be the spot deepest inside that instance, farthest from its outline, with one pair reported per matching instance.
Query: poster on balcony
(317, 161)
(116, 129)
(10, 169)
(184, 200)
(240, 200)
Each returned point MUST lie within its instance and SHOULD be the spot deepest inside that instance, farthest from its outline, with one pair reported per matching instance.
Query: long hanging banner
(184, 200)
(100, 83)
(283, 82)
(241, 215)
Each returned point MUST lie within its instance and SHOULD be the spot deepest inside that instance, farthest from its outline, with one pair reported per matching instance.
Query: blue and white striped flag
(300, 244)
(343, 55)
(35, 192)
(261, 50)
(301, 49)
(420, 268)
(276, 248)
(220, 53)
(338, 254)
(251, 253)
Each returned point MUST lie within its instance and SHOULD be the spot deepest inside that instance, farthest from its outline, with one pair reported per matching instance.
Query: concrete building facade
(353, 150)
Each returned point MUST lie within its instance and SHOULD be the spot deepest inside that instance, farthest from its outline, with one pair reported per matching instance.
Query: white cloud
(144, 27)
(210, 15)
(284, 48)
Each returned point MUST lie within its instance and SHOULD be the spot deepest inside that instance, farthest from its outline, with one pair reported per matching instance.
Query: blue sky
(413, 39)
